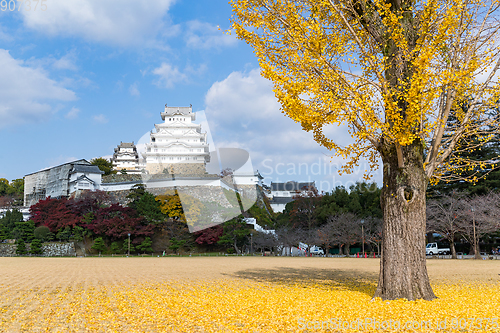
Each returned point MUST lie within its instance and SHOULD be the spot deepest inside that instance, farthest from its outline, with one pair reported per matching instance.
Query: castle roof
(291, 186)
(80, 162)
(177, 110)
(126, 145)
(281, 200)
(86, 169)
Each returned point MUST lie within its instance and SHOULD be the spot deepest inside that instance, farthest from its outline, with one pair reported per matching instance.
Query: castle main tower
(177, 145)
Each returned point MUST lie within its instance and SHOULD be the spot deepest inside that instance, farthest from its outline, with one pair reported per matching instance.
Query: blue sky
(83, 75)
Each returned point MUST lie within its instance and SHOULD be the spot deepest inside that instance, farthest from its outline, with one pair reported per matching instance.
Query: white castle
(126, 158)
(178, 145)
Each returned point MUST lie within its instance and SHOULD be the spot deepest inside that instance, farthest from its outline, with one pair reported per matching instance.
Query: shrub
(125, 247)
(176, 244)
(99, 245)
(36, 246)
(146, 245)
(115, 247)
(41, 233)
(21, 247)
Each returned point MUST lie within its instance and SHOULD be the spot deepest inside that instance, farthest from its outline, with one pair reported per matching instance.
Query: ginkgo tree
(412, 81)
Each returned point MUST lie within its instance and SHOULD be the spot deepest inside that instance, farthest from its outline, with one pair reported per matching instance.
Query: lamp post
(476, 255)
(128, 245)
(251, 243)
(363, 236)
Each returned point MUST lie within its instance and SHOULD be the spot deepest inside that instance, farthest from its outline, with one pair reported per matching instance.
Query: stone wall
(121, 178)
(53, 249)
(203, 193)
(176, 168)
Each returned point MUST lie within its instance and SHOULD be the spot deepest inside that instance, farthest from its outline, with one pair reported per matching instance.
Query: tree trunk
(403, 270)
(477, 251)
(453, 251)
(347, 249)
(472, 250)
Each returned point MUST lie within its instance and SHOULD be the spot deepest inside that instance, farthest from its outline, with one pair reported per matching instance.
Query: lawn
(236, 294)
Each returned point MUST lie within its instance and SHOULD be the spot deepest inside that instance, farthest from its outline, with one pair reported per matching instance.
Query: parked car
(433, 249)
(316, 250)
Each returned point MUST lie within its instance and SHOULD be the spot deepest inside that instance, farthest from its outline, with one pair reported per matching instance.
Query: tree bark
(453, 251)
(477, 251)
(236, 247)
(403, 270)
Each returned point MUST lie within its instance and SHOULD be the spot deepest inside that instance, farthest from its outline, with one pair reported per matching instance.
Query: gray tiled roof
(281, 200)
(86, 169)
(290, 186)
(126, 145)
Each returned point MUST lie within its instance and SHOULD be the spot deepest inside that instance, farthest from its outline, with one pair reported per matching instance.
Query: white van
(316, 250)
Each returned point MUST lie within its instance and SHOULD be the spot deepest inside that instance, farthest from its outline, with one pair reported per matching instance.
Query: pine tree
(36, 246)
(21, 247)
(145, 246)
(99, 245)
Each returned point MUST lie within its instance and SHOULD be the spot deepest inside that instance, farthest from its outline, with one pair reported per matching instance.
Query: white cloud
(243, 113)
(100, 119)
(26, 93)
(168, 75)
(73, 113)
(133, 90)
(66, 62)
(202, 35)
(118, 22)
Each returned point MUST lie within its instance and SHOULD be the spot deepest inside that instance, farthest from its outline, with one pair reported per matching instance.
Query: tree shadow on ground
(353, 280)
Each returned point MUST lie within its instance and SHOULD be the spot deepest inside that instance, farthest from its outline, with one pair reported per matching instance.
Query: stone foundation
(53, 249)
(176, 168)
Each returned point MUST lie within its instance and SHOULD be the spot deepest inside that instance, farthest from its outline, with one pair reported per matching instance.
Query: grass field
(236, 294)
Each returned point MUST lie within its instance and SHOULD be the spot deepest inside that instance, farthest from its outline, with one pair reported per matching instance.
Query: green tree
(17, 186)
(235, 233)
(115, 247)
(145, 204)
(64, 234)
(21, 247)
(125, 247)
(78, 234)
(36, 246)
(99, 245)
(104, 165)
(24, 230)
(176, 244)
(4, 187)
(145, 246)
(8, 223)
(41, 233)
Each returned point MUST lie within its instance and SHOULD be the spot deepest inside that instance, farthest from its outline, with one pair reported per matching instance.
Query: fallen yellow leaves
(238, 306)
